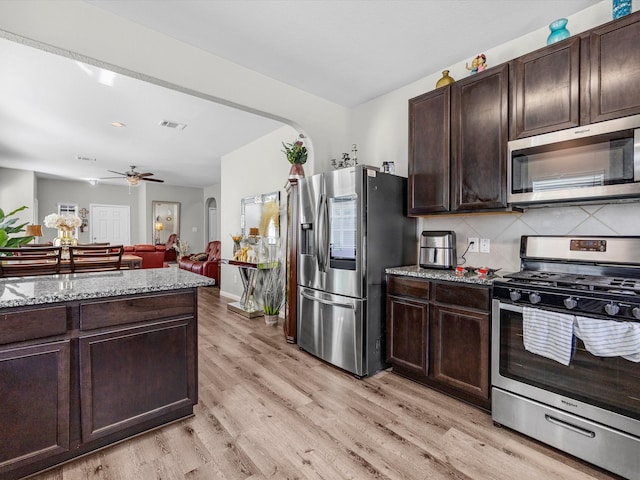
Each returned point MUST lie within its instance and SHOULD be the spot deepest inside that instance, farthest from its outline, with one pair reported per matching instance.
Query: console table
(248, 273)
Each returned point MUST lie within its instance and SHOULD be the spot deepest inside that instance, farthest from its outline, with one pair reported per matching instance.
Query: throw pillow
(198, 257)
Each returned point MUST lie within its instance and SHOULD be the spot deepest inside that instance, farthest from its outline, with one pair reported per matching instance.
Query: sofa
(152, 255)
(206, 263)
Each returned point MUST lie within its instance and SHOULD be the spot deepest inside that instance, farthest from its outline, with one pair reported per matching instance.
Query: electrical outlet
(473, 244)
(485, 245)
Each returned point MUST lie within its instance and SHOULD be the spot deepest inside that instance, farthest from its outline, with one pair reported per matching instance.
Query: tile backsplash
(505, 229)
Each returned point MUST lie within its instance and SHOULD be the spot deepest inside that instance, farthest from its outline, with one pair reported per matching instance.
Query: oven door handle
(511, 308)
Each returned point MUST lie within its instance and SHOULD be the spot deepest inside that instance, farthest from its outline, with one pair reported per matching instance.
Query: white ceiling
(346, 51)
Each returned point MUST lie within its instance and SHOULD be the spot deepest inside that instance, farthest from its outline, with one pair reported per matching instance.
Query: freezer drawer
(331, 328)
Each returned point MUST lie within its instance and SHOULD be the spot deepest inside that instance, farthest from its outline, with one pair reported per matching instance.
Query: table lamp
(34, 231)
(159, 226)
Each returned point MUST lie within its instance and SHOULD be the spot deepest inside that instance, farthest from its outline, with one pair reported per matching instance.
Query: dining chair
(24, 262)
(91, 258)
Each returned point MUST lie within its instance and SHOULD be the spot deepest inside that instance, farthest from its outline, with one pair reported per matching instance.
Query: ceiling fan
(133, 177)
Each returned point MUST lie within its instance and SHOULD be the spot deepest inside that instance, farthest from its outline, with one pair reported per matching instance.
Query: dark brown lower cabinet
(34, 403)
(82, 375)
(438, 334)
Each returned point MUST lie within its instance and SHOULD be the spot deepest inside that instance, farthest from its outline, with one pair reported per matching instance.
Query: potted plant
(297, 155)
(273, 293)
(8, 226)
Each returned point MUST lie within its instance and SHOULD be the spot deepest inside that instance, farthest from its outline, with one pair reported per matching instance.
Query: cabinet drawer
(462, 295)
(21, 325)
(137, 309)
(408, 287)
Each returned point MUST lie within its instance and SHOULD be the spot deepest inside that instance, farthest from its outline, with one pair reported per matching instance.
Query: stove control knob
(516, 295)
(534, 298)
(612, 308)
(570, 303)
(636, 312)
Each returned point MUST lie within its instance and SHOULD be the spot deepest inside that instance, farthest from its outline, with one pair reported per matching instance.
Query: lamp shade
(34, 230)
(159, 226)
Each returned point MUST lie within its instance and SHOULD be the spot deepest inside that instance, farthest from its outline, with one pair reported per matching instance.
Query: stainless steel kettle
(438, 249)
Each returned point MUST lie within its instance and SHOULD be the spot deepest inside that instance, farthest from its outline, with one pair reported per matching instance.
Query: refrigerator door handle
(328, 302)
(322, 234)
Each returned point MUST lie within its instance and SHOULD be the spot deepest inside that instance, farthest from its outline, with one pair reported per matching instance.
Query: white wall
(259, 167)
(17, 188)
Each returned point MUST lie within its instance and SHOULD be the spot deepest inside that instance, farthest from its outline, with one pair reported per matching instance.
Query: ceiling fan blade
(148, 174)
(108, 178)
(119, 173)
(152, 180)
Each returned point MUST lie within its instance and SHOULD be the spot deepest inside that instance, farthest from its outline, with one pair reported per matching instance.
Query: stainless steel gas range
(566, 348)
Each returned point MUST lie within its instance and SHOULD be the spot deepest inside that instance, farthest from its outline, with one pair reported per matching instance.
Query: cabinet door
(615, 69)
(407, 334)
(545, 90)
(34, 401)
(479, 121)
(428, 185)
(129, 376)
(459, 347)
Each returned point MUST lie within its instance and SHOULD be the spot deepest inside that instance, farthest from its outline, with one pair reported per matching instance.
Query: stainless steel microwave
(597, 162)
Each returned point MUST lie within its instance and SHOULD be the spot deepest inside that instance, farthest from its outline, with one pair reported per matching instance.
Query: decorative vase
(297, 171)
(271, 320)
(445, 80)
(65, 240)
(558, 31)
(621, 8)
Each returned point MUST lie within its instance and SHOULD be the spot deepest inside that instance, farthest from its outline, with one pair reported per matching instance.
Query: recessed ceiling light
(93, 181)
(118, 124)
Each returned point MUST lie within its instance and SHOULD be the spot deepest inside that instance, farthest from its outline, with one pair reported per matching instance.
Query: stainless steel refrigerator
(353, 225)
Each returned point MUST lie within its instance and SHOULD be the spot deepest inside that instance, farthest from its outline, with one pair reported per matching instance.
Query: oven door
(605, 390)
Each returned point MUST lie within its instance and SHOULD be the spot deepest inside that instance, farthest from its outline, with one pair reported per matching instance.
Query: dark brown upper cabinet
(458, 145)
(584, 79)
(545, 87)
(614, 78)
(429, 152)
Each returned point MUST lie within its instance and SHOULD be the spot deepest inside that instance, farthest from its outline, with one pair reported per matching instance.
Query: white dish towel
(608, 338)
(549, 334)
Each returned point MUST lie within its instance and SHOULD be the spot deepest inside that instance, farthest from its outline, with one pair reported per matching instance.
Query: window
(69, 209)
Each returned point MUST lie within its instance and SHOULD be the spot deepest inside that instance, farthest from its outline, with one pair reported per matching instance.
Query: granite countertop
(15, 292)
(436, 274)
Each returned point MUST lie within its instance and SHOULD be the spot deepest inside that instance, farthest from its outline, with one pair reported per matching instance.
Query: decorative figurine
(478, 64)
(346, 161)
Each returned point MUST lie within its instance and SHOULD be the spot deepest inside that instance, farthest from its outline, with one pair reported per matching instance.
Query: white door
(110, 223)
(213, 224)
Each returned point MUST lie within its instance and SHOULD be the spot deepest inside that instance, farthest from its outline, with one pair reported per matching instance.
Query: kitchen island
(90, 359)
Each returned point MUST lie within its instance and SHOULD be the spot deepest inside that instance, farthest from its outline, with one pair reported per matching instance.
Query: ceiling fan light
(133, 181)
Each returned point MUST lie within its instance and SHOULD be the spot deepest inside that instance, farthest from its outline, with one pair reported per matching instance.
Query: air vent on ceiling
(85, 159)
(169, 124)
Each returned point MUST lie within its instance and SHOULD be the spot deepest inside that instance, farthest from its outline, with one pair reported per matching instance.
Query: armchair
(170, 253)
(207, 263)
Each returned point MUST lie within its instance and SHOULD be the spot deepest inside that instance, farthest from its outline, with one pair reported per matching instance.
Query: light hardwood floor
(270, 411)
